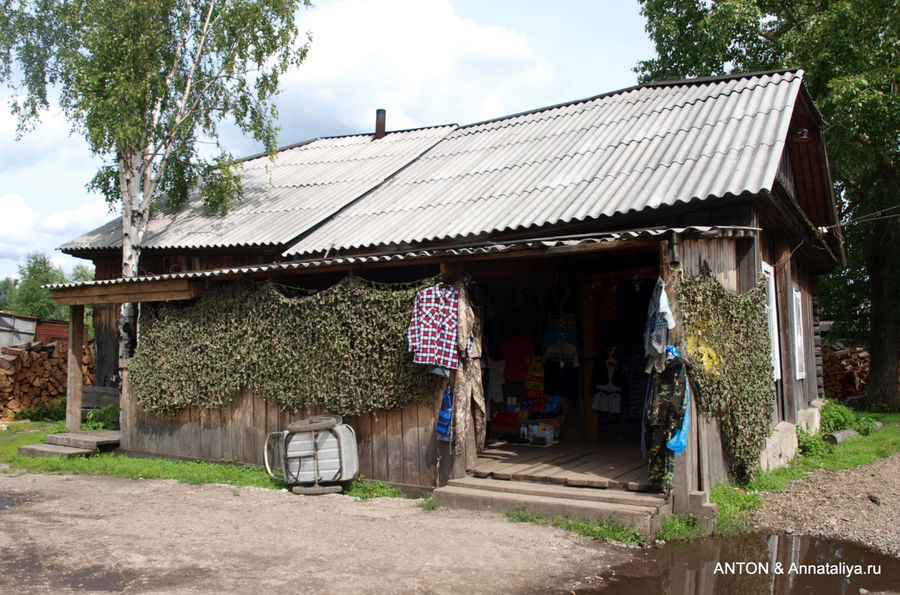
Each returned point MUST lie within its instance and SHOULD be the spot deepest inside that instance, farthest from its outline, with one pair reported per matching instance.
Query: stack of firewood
(845, 371)
(32, 374)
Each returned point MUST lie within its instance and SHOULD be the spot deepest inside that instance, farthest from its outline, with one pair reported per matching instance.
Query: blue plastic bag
(446, 415)
(679, 441)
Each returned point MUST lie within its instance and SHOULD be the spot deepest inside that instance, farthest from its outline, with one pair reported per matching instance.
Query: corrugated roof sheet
(306, 184)
(628, 151)
(632, 150)
(538, 243)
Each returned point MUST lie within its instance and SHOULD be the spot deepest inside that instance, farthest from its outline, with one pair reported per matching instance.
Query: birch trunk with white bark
(135, 216)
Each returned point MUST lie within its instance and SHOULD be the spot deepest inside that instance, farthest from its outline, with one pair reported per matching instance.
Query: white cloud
(29, 231)
(416, 58)
(69, 222)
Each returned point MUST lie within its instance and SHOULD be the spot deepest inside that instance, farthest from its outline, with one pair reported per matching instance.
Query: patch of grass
(428, 503)
(31, 426)
(523, 515)
(852, 453)
(366, 490)
(679, 528)
(607, 530)
(734, 504)
(127, 467)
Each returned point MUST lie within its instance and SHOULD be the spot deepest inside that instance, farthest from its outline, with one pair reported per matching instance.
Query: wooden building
(596, 197)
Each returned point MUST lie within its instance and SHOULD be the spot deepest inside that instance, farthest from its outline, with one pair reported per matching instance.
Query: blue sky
(425, 61)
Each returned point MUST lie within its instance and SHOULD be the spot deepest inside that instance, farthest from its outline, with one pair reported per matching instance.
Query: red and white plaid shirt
(432, 330)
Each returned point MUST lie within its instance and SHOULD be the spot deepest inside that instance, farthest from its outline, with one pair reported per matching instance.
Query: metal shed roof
(633, 150)
(144, 288)
(304, 186)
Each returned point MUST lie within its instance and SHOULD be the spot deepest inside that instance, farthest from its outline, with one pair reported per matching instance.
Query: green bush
(105, 418)
(837, 417)
(811, 445)
(44, 411)
(840, 417)
(864, 425)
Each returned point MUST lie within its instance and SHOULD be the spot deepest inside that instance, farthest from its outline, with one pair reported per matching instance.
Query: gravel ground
(65, 533)
(861, 505)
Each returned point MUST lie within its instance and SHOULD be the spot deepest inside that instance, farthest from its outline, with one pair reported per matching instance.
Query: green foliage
(7, 293)
(727, 343)
(31, 299)
(523, 515)
(142, 82)
(104, 418)
(837, 417)
(734, 504)
(840, 417)
(607, 530)
(849, 52)
(366, 490)
(82, 273)
(679, 528)
(344, 348)
(428, 503)
(811, 445)
(44, 411)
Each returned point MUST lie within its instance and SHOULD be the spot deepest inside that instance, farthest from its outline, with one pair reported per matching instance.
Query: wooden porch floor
(595, 465)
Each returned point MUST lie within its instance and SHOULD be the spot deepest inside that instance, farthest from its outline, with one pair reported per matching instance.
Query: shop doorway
(554, 414)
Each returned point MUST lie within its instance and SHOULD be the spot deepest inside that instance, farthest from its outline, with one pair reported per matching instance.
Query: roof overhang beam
(147, 291)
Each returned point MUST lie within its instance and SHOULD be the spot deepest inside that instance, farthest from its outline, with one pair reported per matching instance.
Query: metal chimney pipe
(380, 123)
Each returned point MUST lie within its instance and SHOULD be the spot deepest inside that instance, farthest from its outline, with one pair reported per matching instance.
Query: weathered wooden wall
(704, 462)
(397, 446)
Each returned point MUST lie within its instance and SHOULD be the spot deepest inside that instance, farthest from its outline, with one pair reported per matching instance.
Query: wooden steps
(73, 444)
(639, 511)
(597, 465)
(54, 450)
(89, 440)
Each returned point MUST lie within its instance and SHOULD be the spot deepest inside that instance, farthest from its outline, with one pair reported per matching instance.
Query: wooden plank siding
(734, 262)
(397, 446)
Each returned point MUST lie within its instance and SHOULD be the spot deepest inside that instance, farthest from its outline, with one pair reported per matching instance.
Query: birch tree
(146, 82)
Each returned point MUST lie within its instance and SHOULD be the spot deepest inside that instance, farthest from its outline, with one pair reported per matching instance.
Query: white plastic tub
(315, 456)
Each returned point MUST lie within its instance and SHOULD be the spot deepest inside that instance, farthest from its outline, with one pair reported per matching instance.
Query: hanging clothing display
(534, 377)
(561, 367)
(656, 329)
(515, 350)
(468, 390)
(445, 415)
(608, 386)
(665, 414)
(432, 329)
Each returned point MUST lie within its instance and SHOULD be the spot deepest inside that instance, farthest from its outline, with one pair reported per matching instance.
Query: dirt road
(61, 533)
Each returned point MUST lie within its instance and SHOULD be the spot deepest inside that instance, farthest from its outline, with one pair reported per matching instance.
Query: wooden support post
(74, 378)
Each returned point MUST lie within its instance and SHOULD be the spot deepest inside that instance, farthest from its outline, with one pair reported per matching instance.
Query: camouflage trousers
(661, 461)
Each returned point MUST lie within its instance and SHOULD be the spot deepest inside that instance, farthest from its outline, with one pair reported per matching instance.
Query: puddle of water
(10, 499)
(774, 564)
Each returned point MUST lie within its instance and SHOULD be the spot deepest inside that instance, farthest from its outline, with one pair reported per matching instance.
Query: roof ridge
(672, 83)
(317, 138)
